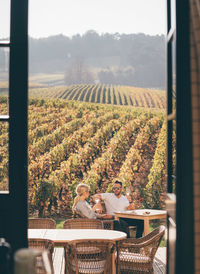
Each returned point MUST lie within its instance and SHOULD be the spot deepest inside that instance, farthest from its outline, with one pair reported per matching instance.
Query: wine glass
(128, 191)
(97, 200)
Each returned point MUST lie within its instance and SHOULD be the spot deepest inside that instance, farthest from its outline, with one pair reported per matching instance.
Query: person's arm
(98, 208)
(86, 210)
(97, 196)
(105, 216)
(130, 204)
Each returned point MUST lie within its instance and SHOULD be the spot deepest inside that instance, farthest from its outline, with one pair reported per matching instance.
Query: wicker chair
(42, 223)
(83, 223)
(107, 224)
(137, 255)
(89, 256)
(42, 245)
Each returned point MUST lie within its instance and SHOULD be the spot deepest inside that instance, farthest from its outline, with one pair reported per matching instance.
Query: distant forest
(91, 58)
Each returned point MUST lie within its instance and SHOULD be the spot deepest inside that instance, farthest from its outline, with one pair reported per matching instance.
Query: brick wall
(195, 84)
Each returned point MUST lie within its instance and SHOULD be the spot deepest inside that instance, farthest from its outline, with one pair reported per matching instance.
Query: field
(105, 94)
(72, 142)
(43, 79)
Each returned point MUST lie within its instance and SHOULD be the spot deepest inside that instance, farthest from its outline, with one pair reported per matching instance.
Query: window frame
(13, 205)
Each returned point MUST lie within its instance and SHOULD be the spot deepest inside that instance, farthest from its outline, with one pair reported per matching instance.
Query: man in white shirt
(118, 202)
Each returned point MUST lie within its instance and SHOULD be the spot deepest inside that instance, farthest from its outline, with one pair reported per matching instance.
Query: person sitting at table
(118, 202)
(80, 203)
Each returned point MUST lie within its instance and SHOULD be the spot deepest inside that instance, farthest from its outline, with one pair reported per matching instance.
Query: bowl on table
(147, 212)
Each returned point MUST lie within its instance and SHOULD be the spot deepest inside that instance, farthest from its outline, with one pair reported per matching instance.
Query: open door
(180, 254)
(13, 201)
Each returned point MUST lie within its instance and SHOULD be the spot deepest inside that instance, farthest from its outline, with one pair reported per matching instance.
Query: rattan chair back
(89, 256)
(84, 223)
(107, 224)
(40, 223)
(137, 255)
(42, 244)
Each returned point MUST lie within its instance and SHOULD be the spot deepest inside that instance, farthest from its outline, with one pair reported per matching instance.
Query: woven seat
(89, 256)
(83, 223)
(40, 223)
(137, 255)
(42, 244)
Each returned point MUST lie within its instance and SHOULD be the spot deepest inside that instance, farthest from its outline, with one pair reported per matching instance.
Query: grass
(59, 223)
(155, 224)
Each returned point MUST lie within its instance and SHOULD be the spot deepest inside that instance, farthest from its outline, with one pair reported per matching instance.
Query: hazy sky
(68, 17)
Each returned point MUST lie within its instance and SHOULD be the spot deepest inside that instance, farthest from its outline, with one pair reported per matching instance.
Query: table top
(66, 235)
(143, 212)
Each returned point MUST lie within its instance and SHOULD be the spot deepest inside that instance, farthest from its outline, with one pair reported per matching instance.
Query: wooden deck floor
(159, 262)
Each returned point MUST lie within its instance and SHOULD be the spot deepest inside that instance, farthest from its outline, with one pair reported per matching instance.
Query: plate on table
(147, 212)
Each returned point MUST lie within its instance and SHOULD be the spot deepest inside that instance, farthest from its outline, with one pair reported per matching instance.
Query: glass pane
(173, 14)
(174, 111)
(4, 186)
(5, 20)
(4, 80)
(174, 156)
(174, 74)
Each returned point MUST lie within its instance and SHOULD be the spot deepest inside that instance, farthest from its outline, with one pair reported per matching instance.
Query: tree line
(107, 58)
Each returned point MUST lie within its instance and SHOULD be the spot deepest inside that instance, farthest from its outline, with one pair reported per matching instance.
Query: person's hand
(108, 216)
(129, 198)
(100, 216)
(97, 198)
(99, 211)
(105, 216)
(98, 208)
(131, 207)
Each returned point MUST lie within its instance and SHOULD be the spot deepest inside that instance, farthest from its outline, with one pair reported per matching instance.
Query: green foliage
(59, 223)
(44, 196)
(156, 187)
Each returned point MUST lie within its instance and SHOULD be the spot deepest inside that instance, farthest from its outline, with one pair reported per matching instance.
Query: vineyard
(105, 94)
(72, 142)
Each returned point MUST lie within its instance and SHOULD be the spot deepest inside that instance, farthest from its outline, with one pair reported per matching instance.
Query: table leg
(146, 226)
(113, 263)
(116, 218)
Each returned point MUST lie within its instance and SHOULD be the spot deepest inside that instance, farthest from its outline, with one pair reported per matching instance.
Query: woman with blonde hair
(80, 203)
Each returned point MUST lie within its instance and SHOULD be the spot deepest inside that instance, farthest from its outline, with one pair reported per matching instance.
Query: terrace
(183, 40)
(71, 231)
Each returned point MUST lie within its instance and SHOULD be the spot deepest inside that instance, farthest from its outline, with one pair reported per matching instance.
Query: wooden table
(61, 236)
(142, 214)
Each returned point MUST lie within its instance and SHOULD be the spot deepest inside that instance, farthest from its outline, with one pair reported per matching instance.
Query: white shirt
(113, 203)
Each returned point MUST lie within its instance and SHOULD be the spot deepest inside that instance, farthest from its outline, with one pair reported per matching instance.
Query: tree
(77, 73)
